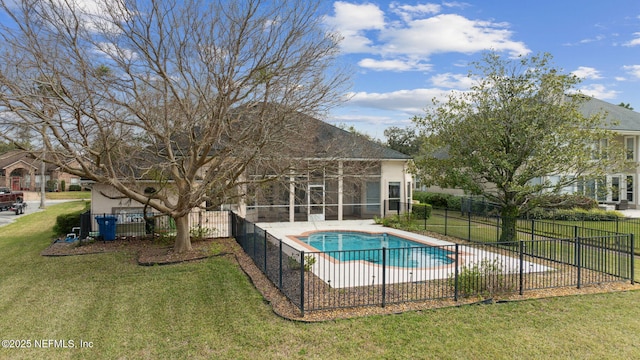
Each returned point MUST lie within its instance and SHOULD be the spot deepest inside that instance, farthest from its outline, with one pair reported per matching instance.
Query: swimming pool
(352, 246)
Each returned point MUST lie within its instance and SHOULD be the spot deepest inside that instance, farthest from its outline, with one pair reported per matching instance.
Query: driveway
(7, 217)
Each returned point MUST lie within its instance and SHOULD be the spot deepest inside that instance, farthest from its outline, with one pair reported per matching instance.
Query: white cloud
(584, 72)
(352, 21)
(450, 33)
(408, 12)
(587, 40)
(115, 52)
(412, 102)
(368, 119)
(453, 81)
(416, 34)
(394, 65)
(634, 42)
(598, 91)
(633, 70)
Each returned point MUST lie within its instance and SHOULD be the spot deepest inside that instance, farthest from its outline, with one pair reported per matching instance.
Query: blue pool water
(348, 246)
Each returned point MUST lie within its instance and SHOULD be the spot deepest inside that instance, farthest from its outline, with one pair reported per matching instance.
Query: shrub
(66, 222)
(75, 187)
(438, 200)
(421, 211)
(63, 185)
(576, 214)
(198, 233)
(566, 201)
(309, 260)
(454, 203)
(51, 186)
(485, 279)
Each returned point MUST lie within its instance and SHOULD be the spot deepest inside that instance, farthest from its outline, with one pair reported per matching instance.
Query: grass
(69, 195)
(211, 310)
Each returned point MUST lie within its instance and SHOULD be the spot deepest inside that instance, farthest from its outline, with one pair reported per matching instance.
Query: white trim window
(599, 149)
(630, 188)
(630, 147)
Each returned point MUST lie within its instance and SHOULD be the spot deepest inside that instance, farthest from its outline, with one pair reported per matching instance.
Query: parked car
(12, 200)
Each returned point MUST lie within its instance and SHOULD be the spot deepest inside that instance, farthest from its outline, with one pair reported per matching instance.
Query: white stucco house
(351, 178)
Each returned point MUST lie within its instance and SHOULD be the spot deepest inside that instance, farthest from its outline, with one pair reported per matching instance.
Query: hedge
(421, 211)
(438, 200)
(66, 222)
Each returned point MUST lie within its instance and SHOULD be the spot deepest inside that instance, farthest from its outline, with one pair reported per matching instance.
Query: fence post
(384, 208)
(455, 276)
(469, 227)
(254, 241)
(265, 252)
(425, 218)
(446, 217)
(244, 235)
(633, 257)
(302, 282)
(384, 275)
(533, 229)
(280, 267)
(578, 255)
(521, 267)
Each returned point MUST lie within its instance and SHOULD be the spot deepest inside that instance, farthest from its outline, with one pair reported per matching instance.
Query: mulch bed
(147, 252)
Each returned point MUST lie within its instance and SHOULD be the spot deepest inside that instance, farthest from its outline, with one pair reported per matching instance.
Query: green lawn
(69, 195)
(210, 310)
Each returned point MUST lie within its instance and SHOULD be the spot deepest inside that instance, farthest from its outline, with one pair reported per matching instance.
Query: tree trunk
(509, 216)
(183, 237)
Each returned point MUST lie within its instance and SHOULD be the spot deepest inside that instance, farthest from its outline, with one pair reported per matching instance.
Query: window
(599, 149)
(630, 188)
(615, 188)
(630, 147)
(594, 188)
(373, 196)
(394, 195)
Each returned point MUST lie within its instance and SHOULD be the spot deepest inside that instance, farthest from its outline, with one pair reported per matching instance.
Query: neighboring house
(20, 171)
(349, 177)
(616, 188)
(621, 186)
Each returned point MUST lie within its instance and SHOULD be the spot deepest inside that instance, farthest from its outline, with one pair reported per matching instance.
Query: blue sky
(404, 53)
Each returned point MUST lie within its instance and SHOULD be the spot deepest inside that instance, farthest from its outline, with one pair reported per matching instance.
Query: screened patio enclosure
(339, 190)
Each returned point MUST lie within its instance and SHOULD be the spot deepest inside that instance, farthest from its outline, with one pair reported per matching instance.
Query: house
(619, 189)
(623, 186)
(21, 171)
(346, 177)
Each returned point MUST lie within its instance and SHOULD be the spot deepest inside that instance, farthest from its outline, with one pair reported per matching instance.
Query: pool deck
(340, 274)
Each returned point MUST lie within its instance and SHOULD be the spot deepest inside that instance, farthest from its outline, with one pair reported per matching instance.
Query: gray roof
(349, 145)
(624, 119)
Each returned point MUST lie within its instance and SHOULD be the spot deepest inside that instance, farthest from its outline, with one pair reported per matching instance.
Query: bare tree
(186, 94)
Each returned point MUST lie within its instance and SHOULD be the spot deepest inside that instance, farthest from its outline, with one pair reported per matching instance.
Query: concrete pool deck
(341, 274)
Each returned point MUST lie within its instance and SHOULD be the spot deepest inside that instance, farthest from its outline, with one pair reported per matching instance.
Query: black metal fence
(481, 222)
(338, 279)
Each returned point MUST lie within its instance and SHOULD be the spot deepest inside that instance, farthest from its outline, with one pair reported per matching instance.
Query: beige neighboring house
(622, 189)
(355, 179)
(21, 172)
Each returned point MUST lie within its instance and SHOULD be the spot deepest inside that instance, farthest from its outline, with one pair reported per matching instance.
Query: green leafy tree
(625, 105)
(404, 140)
(513, 128)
